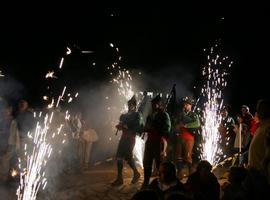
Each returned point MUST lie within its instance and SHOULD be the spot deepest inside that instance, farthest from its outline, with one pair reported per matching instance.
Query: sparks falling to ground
(215, 74)
(32, 177)
(46, 136)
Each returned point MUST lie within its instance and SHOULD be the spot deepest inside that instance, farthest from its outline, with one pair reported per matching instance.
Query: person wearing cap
(187, 125)
(157, 127)
(130, 124)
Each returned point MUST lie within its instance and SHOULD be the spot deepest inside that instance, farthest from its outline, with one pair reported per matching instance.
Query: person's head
(23, 105)
(156, 103)
(237, 175)
(244, 109)
(145, 195)
(187, 104)
(224, 111)
(144, 93)
(167, 172)
(204, 168)
(263, 109)
(132, 103)
(239, 118)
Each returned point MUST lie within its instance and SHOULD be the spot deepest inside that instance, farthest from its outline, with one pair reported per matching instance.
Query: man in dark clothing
(157, 127)
(167, 182)
(203, 184)
(25, 122)
(25, 119)
(130, 124)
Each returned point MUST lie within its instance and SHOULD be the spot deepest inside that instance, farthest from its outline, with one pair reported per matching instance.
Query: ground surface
(92, 184)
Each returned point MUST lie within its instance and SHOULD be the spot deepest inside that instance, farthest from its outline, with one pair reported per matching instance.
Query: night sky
(149, 39)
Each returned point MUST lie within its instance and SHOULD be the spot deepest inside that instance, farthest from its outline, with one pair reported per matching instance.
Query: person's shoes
(118, 182)
(136, 178)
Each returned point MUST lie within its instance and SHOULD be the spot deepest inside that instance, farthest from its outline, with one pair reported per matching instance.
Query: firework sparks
(32, 177)
(215, 73)
(87, 52)
(45, 98)
(68, 51)
(50, 74)
(61, 63)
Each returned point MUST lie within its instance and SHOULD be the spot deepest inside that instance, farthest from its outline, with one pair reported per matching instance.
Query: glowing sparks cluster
(215, 76)
(33, 176)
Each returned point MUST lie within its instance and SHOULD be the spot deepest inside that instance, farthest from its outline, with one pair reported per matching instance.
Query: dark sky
(33, 40)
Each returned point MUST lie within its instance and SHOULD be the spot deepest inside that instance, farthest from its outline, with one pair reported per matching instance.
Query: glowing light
(1, 75)
(51, 104)
(214, 74)
(45, 98)
(50, 74)
(68, 51)
(61, 63)
(76, 95)
(87, 52)
(14, 173)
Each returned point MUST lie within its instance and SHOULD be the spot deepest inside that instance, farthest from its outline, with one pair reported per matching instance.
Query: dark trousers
(151, 153)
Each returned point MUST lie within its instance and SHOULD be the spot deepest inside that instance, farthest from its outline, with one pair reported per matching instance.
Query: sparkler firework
(32, 177)
(40, 143)
(215, 74)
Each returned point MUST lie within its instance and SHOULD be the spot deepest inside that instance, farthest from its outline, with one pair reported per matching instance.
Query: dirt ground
(91, 184)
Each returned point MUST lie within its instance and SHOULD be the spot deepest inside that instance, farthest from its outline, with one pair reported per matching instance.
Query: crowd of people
(172, 147)
(72, 147)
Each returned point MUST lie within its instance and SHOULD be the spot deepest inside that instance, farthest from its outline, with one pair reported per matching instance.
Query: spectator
(167, 181)
(203, 184)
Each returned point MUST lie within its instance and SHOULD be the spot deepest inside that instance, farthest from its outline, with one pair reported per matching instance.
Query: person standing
(187, 125)
(130, 124)
(157, 127)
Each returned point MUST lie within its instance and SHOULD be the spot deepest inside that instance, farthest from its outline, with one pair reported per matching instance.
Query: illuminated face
(224, 113)
(155, 105)
(187, 107)
(244, 110)
(23, 105)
